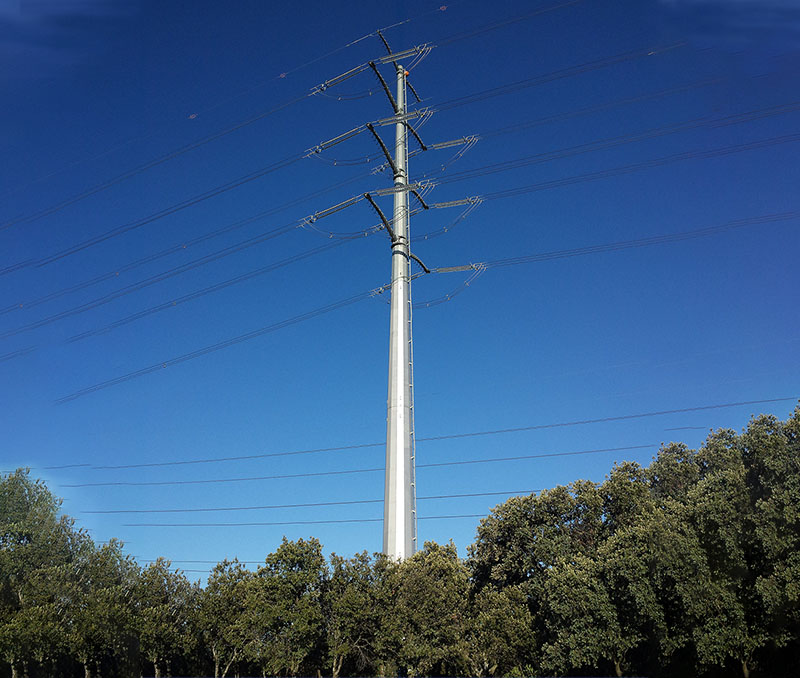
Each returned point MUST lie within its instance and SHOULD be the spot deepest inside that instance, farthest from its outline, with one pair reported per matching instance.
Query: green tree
(424, 619)
(351, 613)
(500, 632)
(165, 600)
(222, 606)
(584, 628)
(100, 617)
(36, 543)
(745, 508)
(284, 609)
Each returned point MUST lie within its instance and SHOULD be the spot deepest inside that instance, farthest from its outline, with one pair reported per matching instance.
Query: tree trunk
(14, 670)
(156, 669)
(745, 669)
(617, 668)
(87, 672)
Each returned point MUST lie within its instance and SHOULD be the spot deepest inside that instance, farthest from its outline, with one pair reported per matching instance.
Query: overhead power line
(553, 76)
(614, 142)
(319, 474)
(465, 35)
(481, 171)
(450, 436)
(215, 191)
(300, 522)
(201, 142)
(172, 303)
(220, 345)
(561, 254)
(644, 242)
(183, 245)
(648, 164)
(149, 165)
(309, 504)
(243, 123)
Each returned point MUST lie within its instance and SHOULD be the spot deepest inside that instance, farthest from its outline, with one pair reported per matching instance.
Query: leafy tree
(425, 619)
(523, 537)
(500, 633)
(34, 543)
(673, 473)
(100, 617)
(746, 509)
(584, 628)
(351, 613)
(165, 602)
(219, 615)
(284, 608)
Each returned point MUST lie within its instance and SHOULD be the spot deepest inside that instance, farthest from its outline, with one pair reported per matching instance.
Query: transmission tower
(400, 505)
(400, 510)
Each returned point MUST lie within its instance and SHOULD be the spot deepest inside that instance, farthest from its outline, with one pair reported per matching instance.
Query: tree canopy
(689, 566)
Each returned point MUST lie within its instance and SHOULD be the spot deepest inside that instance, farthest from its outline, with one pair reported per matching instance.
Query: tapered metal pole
(399, 511)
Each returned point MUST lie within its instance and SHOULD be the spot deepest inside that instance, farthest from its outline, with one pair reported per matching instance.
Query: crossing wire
(490, 169)
(219, 346)
(472, 434)
(614, 142)
(704, 232)
(308, 504)
(301, 522)
(183, 245)
(320, 474)
(173, 303)
(215, 191)
(560, 74)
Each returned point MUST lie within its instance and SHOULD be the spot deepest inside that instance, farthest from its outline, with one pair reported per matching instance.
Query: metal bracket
(385, 221)
(419, 261)
(385, 88)
(416, 136)
(384, 149)
(380, 61)
(425, 205)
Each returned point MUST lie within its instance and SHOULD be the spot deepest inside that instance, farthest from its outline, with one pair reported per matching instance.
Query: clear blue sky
(96, 88)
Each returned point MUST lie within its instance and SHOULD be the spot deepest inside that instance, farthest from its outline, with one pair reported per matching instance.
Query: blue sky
(631, 120)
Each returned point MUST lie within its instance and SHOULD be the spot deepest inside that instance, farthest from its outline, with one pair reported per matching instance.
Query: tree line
(689, 566)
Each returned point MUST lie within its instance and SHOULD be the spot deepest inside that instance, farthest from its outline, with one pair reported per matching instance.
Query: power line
(316, 474)
(244, 123)
(228, 228)
(152, 280)
(506, 22)
(149, 165)
(172, 303)
(561, 254)
(605, 144)
(643, 242)
(359, 446)
(244, 277)
(217, 104)
(309, 504)
(300, 522)
(168, 211)
(219, 346)
(628, 169)
(497, 167)
(553, 76)
(566, 115)
(215, 191)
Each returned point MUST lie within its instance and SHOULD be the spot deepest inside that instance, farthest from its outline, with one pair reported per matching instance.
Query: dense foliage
(690, 566)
